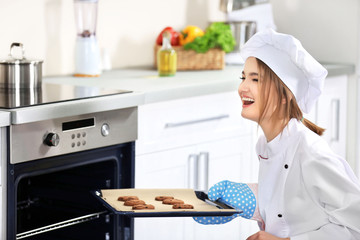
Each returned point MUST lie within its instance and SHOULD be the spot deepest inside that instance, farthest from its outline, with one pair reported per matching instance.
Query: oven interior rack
(58, 225)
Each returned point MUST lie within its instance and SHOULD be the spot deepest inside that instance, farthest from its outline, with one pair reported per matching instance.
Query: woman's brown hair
(270, 80)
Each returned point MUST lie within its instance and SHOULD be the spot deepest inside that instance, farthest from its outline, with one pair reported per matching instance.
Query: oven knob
(52, 139)
(105, 129)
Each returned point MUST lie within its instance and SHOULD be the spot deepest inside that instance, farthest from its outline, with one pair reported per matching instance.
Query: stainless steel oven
(53, 165)
(62, 146)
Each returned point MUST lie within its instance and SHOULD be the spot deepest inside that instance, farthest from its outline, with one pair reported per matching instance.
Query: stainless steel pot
(12, 97)
(17, 72)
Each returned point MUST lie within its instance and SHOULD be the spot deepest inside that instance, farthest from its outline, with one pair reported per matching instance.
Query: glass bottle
(166, 57)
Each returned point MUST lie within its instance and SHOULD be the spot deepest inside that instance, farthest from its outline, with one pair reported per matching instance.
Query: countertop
(147, 88)
(184, 84)
(155, 89)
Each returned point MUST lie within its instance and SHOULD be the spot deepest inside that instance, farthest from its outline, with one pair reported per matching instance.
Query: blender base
(87, 57)
(85, 75)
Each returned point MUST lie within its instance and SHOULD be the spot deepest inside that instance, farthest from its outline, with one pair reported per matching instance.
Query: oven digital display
(90, 122)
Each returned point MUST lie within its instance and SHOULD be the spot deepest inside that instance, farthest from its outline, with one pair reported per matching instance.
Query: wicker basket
(191, 60)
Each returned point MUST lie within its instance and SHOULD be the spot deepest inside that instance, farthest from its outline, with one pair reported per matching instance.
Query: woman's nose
(243, 87)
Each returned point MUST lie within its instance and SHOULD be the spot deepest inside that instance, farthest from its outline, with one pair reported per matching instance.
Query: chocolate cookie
(183, 206)
(126, 198)
(143, 206)
(162, 198)
(173, 201)
(134, 202)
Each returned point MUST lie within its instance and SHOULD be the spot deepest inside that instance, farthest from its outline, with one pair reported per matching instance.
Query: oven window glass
(59, 196)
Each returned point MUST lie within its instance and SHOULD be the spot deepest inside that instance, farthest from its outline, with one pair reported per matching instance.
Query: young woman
(305, 191)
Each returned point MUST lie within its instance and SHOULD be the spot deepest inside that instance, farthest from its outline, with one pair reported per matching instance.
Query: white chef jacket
(305, 191)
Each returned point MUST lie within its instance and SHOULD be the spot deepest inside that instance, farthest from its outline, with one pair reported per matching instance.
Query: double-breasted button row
(286, 167)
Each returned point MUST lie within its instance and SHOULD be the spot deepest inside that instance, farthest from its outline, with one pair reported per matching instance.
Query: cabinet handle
(192, 171)
(203, 172)
(179, 124)
(335, 121)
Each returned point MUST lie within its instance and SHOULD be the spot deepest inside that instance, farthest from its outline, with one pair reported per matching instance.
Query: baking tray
(202, 205)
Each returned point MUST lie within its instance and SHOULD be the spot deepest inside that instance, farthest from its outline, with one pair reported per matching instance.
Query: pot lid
(18, 58)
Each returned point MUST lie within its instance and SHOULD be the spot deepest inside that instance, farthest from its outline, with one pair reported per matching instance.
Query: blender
(87, 52)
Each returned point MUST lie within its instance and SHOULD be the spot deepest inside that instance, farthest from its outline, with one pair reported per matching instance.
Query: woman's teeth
(247, 101)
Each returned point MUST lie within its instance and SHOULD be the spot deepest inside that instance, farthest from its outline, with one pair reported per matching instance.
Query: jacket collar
(280, 143)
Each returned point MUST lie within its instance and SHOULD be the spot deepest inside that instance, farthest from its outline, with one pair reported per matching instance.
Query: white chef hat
(285, 55)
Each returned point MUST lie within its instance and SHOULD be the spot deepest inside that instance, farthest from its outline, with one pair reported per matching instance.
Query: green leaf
(217, 35)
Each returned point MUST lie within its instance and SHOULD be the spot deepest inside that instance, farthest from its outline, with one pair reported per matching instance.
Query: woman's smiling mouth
(247, 101)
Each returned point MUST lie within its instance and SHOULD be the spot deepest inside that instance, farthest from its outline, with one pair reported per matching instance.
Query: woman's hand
(261, 235)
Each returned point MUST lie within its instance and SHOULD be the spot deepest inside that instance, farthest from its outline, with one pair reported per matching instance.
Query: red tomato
(174, 36)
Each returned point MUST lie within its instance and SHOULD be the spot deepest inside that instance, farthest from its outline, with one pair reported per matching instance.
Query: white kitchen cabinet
(165, 169)
(172, 169)
(194, 143)
(229, 159)
(330, 113)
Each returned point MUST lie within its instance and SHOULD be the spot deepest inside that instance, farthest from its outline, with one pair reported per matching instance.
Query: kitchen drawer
(190, 121)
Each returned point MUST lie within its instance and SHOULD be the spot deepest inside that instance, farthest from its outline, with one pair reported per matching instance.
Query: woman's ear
(284, 101)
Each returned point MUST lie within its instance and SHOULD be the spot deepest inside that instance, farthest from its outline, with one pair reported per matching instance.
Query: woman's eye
(242, 78)
(255, 79)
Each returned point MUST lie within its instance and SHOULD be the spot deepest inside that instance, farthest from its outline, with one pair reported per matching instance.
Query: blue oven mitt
(236, 195)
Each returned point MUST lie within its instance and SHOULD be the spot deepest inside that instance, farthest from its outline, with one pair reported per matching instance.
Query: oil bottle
(166, 57)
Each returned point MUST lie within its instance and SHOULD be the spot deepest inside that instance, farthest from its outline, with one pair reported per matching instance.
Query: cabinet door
(232, 159)
(166, 169)
(331, 113)
(229, 159)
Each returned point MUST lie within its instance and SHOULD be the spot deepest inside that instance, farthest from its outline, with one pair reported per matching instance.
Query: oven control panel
(37, 140)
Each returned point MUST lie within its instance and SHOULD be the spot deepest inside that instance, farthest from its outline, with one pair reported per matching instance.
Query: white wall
(126, 28)
(327, 29)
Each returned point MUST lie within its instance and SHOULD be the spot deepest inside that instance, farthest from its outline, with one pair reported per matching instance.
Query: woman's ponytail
(313, 127)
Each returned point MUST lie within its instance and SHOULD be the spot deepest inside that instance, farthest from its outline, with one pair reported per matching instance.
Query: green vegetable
(217, 35)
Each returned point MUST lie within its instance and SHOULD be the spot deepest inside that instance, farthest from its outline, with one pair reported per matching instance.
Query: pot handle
(20, 45)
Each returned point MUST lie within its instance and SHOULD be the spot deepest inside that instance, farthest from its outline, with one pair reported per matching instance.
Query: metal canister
(17, 72)
(242, 31)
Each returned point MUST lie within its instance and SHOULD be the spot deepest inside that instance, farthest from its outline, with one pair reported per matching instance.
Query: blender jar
(87, 52)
